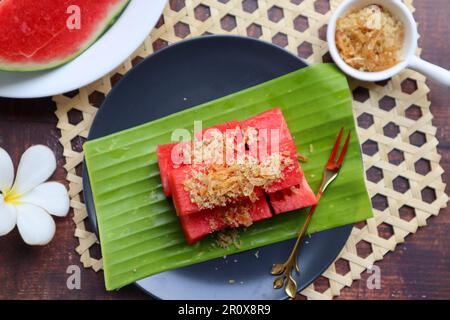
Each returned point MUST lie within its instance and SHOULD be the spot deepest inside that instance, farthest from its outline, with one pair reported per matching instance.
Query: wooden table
(419, 269)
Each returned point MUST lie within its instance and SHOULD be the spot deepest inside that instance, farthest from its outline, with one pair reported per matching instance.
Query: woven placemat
(394, 126)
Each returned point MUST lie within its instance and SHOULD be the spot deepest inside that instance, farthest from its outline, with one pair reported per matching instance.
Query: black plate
(184, 75)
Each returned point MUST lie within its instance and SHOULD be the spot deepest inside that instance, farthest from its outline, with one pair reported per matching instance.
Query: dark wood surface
(418, 269)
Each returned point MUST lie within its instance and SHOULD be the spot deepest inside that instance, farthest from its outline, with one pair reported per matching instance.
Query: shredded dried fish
(370, 39)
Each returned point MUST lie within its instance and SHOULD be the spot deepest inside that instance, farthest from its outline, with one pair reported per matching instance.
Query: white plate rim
(112, 49)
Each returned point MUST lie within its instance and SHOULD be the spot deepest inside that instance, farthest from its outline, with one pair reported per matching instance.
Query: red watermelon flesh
(294, 198)
(163, 152)
(292, 174)
(228, 131)
(165, 156)
(264, 123)
(44, 34)
(200, 224)
(205, 133)
(266, 144)
(181, 198)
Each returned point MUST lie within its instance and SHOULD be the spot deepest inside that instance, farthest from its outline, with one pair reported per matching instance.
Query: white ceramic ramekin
(410, 60)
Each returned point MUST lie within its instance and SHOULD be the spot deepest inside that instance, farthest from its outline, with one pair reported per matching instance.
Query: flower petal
(36, 165)
(8, 217)
(50, 196)
(6, 171)
(35, 225)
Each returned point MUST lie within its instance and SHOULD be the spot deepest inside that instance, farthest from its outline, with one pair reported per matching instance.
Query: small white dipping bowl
(409, 58)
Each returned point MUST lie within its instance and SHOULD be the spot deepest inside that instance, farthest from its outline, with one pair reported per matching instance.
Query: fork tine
(343, 151)
(336, 147)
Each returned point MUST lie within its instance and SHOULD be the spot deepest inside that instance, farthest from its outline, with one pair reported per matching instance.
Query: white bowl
(409, 60)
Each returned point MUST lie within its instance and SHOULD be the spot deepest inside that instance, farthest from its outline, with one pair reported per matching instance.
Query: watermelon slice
(47, 33)
(199, 225)
(293, 198)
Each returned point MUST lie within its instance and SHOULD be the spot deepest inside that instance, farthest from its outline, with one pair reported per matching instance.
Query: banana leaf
(139, 230)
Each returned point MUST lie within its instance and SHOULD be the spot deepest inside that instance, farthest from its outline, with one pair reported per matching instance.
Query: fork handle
(300, 237)
(302, 232)
(307, 222)
(305, 226)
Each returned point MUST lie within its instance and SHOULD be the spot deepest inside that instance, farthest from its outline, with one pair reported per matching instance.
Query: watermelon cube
(181, 197)
(294, 198)
(200, 224)
(292, 174)
(264, 123)
(163, 152)
(266, 145)
(165, 156)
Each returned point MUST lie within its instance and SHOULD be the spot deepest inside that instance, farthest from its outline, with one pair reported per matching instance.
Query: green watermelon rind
(36, 67)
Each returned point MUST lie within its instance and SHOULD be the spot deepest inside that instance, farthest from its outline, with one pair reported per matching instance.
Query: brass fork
(284, 270)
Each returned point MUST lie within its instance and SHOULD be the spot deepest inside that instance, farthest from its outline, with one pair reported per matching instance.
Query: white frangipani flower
(29, 201)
